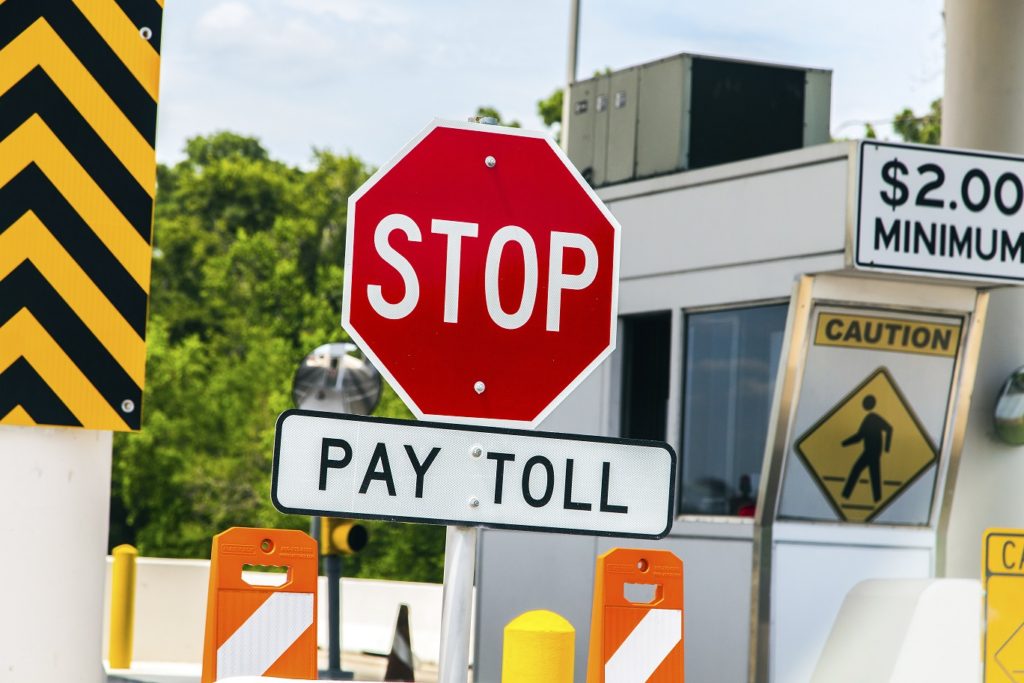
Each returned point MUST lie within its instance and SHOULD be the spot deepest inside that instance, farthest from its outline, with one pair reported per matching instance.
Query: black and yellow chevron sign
(78, 97)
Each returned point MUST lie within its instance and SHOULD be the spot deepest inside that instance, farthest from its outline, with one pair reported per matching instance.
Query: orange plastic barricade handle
(637, 636)
(254, 629)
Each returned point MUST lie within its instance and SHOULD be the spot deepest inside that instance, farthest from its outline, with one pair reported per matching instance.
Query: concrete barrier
(906, 631)
(170, 612)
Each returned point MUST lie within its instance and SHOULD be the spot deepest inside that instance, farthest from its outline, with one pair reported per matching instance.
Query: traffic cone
(637, 641)
(400, 660)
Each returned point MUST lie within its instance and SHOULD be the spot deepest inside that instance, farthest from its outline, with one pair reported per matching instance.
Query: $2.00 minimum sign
(947, 212)
(374, 468)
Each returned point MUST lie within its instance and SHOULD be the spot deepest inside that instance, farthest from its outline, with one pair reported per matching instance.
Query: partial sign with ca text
(935, 211)
(1002, 571)
(373, 468)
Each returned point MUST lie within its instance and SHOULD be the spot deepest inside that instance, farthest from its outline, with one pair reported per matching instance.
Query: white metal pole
(54, 508)
(983, 104)
(457, 603)
(983, 108)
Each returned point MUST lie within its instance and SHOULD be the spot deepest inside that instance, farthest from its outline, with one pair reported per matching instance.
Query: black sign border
(413, 424)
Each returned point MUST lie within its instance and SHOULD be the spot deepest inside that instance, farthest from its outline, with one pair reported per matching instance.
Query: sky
(364, 76)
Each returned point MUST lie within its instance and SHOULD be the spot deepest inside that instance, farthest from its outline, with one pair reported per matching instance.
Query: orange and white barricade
(261, 630)
(637, 641)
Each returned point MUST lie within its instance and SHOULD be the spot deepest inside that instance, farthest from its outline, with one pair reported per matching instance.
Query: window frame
(677, 406)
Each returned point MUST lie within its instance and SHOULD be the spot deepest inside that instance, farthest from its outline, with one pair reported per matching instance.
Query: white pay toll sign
(373, 468)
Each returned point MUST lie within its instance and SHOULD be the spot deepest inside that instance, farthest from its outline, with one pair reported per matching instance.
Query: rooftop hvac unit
(688, 111)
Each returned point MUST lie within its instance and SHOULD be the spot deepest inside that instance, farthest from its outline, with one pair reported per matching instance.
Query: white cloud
(354, 11)
(226, 16)
(365, 75)
(236, 26)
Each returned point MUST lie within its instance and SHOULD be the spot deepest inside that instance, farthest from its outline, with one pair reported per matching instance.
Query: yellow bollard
(122, 606)
(539, 648)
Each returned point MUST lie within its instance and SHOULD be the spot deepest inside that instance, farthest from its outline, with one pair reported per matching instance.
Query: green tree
(550, 111)
(925, 129)
(247, 279)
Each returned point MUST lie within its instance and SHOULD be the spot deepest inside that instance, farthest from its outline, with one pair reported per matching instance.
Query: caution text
(887, 334)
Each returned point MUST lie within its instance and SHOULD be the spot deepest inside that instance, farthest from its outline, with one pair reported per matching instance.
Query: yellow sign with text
(887, 334)
(867, 449)
(1002, 561)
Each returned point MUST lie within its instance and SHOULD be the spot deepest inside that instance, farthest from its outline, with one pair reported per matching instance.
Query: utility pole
(570, 67)
(983, 105)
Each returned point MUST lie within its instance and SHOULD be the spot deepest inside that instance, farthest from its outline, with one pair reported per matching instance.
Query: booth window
(731, 359)
(645, 369)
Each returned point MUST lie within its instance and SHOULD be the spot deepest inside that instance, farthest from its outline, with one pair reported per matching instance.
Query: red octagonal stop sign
(481, 275)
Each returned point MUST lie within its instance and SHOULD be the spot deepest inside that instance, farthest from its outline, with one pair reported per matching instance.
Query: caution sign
(887, 334)
(1002, 561)
(868, 449)
(78, 99)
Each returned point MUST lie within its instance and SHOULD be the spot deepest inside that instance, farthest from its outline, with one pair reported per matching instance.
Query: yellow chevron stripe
(17, 416)
(123, 37)
(39, 45)
(29, 238)
(22, 335)
(34, 141)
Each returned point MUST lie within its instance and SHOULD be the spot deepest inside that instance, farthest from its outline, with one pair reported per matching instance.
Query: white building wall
(988, 489)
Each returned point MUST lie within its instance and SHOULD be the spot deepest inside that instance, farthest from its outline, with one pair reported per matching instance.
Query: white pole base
(457, 603)
(54, 517)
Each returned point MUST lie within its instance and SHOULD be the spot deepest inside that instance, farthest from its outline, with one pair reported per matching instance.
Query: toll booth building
(818, 409)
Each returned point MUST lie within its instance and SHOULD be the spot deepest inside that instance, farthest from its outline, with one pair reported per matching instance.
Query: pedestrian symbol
(868, 449)
(871, 431)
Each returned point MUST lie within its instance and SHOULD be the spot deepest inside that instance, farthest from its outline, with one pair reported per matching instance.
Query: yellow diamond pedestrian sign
(867, 449)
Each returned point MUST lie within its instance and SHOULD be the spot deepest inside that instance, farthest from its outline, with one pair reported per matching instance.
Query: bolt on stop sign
(481, 274)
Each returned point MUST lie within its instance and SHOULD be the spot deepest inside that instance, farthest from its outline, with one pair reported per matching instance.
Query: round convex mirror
(332, 379)
(1009, 416)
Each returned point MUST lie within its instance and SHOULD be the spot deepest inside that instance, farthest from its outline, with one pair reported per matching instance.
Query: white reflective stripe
(265, 636)
(400, 649)
(643, 651)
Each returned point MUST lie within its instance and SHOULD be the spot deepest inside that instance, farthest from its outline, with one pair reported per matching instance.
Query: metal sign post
(457, 603)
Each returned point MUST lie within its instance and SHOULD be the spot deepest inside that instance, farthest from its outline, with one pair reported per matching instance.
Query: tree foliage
(247, 279)
(550, 110)
(925, 129)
